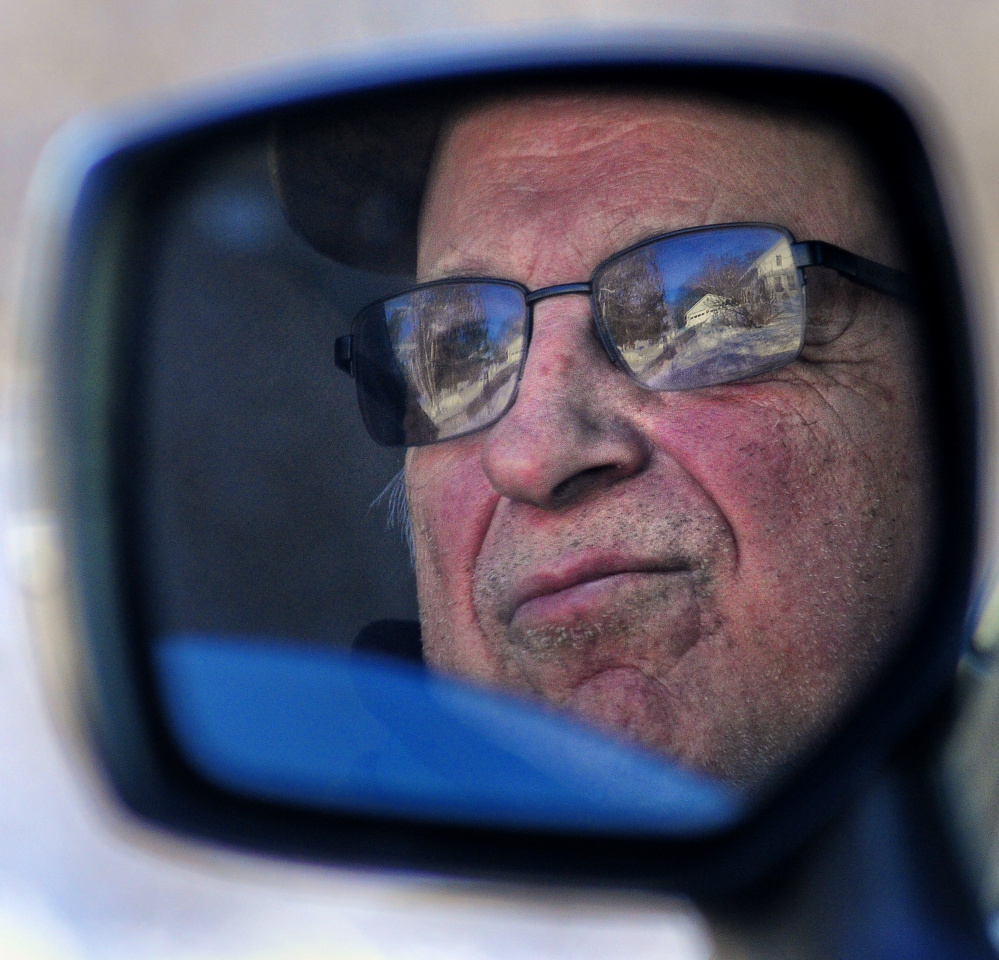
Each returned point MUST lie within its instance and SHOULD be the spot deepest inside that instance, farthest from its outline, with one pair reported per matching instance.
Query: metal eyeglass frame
(805, 253)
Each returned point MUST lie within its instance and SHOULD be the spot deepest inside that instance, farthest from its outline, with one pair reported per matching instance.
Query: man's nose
(571, 431)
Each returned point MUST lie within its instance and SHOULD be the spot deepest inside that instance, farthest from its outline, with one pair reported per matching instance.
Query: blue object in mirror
(298, 723)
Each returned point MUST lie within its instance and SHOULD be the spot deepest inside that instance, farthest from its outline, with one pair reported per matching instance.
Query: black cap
(351, 180)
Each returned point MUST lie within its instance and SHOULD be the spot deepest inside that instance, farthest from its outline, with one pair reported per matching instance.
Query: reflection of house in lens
(772, 287)
(713, 308)
(774, 271)
(740, 314)
(746, 297)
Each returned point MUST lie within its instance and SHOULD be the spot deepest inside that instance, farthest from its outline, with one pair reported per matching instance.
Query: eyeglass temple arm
(876, 276)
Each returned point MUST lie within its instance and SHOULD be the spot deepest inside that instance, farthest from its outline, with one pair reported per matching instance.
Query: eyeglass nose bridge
(581, 289)
(559, 290)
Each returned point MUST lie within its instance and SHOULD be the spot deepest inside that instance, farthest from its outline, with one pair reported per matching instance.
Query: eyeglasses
(693, 308)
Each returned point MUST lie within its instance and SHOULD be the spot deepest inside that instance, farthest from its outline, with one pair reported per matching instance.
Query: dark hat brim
(351, 179)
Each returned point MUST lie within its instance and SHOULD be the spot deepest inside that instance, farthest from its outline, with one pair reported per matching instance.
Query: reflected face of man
(715, 573)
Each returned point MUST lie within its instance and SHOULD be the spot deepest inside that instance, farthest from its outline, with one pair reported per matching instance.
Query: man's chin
(628, 702)
(684, 721)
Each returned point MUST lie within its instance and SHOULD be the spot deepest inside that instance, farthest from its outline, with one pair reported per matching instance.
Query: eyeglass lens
(693, 309)
(703, 307)
(440, 361)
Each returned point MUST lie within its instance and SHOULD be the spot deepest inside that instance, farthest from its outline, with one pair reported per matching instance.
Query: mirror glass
(610, 522)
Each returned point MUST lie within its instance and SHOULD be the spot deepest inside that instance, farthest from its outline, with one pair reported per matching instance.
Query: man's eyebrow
(465, 267)
(626, 233)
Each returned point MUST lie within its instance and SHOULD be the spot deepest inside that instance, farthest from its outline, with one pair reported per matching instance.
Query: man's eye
(830, 306)
(823, 328)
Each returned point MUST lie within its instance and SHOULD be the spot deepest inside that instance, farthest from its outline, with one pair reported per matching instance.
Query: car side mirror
(725, 628)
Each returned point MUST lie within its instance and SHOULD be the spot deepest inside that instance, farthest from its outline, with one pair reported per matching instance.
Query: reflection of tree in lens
(752, 298)
(633, 302)
(723, 279)
(452, 339)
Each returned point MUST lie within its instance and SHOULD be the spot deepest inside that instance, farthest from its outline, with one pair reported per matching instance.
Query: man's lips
(573, 588)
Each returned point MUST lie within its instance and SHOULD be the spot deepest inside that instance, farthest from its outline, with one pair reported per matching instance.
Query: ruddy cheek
(772, 475)
(749, 461)
(448, 493)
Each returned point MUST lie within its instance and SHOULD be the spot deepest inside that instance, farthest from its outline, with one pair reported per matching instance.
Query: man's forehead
(607, 170)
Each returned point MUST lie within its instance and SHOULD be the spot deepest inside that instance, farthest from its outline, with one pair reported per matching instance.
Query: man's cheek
(790, 484)
(757, 461)
(450, 506)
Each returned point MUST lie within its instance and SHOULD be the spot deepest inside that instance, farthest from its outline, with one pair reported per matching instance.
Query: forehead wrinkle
(674, 167)
(591, 120)
(687, 164)
(596, 215)
(517, 167)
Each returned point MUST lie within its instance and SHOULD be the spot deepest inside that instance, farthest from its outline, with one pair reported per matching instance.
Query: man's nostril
(582, 484)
